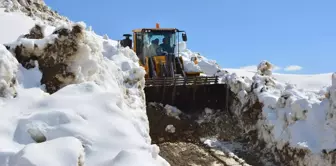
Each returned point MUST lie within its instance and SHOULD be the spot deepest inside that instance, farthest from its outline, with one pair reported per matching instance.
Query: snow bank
(289, 116)
(84, 111)
(99, 107)
(292, 117)
(71, 55)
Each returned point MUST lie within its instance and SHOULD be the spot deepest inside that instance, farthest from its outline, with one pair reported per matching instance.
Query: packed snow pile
(290, 118)
(187, 57)
(71, 97)
(293, 121)
(194, 62)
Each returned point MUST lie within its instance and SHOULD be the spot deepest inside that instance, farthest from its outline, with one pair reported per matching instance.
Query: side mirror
(184, 37)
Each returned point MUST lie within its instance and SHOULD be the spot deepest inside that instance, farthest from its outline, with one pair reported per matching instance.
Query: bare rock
(54, 57)
(35, 33)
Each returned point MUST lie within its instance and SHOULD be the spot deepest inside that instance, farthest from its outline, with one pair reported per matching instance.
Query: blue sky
(235, 33)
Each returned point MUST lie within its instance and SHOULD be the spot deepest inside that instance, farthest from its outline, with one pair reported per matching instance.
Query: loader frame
(167, 82)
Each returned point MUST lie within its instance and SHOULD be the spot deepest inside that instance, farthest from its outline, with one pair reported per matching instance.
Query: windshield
(159, 42)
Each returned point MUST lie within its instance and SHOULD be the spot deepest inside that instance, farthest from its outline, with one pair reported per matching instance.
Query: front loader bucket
(195, 93)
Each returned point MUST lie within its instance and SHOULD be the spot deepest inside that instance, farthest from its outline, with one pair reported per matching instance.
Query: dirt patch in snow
(186, 129)
(54, 57)
(189, 154)
(185, 145)
(192, 154)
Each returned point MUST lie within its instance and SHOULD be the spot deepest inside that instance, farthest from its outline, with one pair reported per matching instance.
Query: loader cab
(156, 41)
(157, 46)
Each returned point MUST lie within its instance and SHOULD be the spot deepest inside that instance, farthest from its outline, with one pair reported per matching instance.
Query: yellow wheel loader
(167, 82)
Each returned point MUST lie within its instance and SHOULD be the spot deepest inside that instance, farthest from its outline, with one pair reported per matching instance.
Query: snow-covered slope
(97, 118)
(297, 110)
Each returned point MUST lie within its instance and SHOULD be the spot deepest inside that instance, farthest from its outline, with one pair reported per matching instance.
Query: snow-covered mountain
(93, 110)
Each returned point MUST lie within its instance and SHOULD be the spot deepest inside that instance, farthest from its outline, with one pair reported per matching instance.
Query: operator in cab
(166, 45)
(153, 47)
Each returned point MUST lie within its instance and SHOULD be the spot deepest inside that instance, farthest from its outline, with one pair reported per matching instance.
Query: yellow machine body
(158, 60)
(166, 80)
